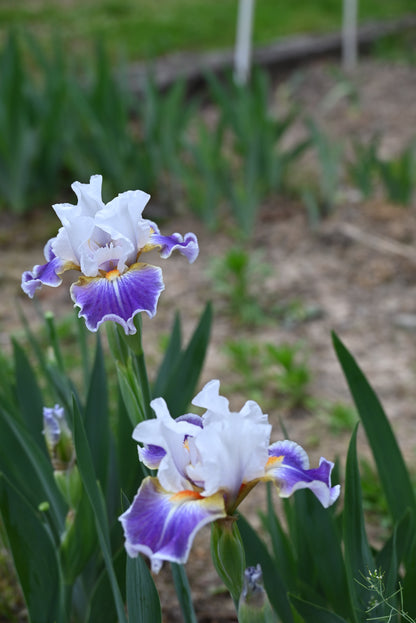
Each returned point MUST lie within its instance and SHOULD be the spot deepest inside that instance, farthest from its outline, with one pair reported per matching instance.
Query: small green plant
(363, 166)
(322, 198)
(294, 312)
(238, 277)
(163, 118)
(203, 173)
(339, 416)
(258, 163)
(292, 376)
(398, 175)
(277, 372)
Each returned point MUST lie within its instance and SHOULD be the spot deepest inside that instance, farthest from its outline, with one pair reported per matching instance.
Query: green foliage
(238, 277)
(320, 565)
(338, 416)
(33, 125)
(258, 164)
(322, 198)
(205, 172)
(270, 373)
(62, 526)
(363, 166)
(398, 175)
(58, 124)
(374, 502)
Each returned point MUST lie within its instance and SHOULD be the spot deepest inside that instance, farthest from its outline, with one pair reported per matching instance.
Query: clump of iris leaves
(59, 123)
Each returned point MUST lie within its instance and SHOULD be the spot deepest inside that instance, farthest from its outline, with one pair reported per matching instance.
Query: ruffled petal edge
(288, 467)
(187, 245)
(118, 297)
(162, 525)
(48, 274)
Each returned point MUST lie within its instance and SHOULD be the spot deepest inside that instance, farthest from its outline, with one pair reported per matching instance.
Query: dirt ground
(358, 268)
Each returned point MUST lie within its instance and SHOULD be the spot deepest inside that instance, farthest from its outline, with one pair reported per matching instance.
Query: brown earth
(357, 269)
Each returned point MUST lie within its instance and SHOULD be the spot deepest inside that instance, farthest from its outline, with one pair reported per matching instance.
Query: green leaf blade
(34, 555)
(389, 460)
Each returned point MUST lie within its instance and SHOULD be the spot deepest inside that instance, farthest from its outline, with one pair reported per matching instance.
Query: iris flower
(206, 467)
(105, 242)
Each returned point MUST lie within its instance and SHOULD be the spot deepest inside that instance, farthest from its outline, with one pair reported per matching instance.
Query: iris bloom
(206, 466)
(104, 242)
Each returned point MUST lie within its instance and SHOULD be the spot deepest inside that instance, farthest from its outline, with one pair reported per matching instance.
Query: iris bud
(254, 605)
(227, 553)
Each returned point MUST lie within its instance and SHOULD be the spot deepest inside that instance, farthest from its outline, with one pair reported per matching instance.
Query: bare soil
(358, 268)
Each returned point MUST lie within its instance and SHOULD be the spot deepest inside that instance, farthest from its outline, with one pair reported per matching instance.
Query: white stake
(349, 35)
(242, 53)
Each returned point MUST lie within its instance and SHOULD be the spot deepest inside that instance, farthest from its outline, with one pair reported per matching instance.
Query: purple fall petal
(118, 297)
(162, 525)
(43, 274)
(288, 465)
(187, 245)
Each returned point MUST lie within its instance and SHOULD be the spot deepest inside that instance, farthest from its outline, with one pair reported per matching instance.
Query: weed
(375, 583)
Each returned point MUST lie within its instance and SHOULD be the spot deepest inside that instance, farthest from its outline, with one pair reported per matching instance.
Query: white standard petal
(72, 237)
(232, 450)
(209, 398)
(122, 218)
(89, 200)
(172, 436)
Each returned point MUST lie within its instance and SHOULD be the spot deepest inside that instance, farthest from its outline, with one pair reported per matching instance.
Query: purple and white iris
(104, 242)
(206, 466)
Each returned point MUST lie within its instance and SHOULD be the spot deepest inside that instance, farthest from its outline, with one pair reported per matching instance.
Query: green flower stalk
(254, 605)
(228, 555)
